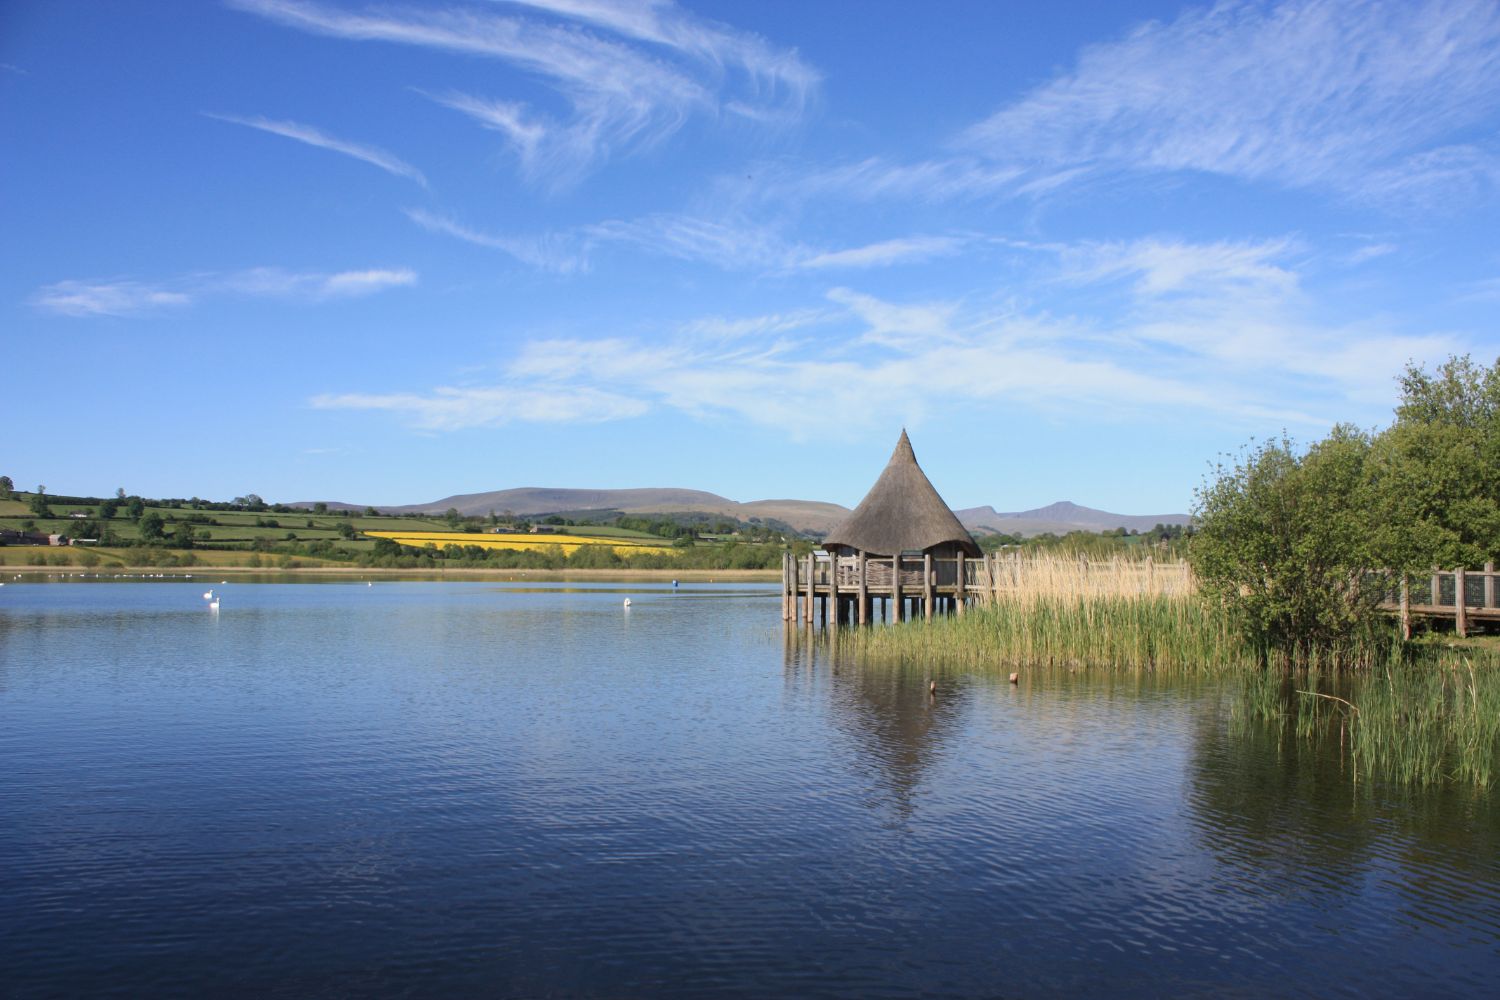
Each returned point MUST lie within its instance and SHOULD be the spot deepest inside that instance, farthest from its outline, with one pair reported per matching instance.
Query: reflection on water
(471, 788)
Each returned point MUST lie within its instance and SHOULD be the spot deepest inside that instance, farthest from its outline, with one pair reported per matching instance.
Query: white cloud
(728, 243)
(388, 162)
(1217, 331)
(1345, 94)
(450, 408)
(561, 253)
(887, 252)
(128, 298)
(106, 298)
(626, 75)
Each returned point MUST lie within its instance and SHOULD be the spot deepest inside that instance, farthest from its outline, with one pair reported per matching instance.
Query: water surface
(474, 788)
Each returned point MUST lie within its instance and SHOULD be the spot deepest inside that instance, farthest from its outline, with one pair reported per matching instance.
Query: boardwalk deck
(862, 588)
(1464, 596)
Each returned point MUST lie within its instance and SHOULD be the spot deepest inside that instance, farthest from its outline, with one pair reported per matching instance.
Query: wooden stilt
(788, 586)
(896, 586)
(1405, 608)
(927, 585)
(811, 590)
(1460, 608)
(1489, 585)
(864, 590)
(833, 585)
(958, 592)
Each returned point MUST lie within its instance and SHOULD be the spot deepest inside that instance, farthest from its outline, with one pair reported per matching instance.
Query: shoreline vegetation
(1416, 713)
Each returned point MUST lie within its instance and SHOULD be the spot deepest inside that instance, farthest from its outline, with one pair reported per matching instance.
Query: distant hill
(1060, 518)
(813, 517)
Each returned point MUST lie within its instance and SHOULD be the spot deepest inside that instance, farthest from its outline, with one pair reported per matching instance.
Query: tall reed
(1419, 720)
(1140, 633)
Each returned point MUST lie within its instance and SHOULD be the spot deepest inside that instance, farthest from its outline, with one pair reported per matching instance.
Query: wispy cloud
(450, 408)
(886, 252)
(372, 155)
(1349, 94)
(629, 75)
(106, 298)
(730, 243)
(130, 298)
(1218, 331)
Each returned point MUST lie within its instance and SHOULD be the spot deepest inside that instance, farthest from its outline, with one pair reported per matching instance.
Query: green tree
(1284, 540)
(7, 488)
(320, 508)
(346, 530)
(108, 508)
(452, 516)
(150, 526)
(183, 536)
(1436, 470)
(135, 508)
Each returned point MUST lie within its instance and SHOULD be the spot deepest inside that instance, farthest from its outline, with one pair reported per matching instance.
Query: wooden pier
(861, 589)
(1464, 596)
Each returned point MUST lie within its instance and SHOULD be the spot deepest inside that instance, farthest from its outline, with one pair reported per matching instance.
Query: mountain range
(809, 516)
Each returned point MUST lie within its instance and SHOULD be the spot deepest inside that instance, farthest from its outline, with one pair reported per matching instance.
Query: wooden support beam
(1405, 608)
(927, 585)
(896, 586)
(1460, 611)
(958, 593)
(811, 590)
(833, 584)
(788, 586)
(1489, 585)
(1437, 589)
(864, 589)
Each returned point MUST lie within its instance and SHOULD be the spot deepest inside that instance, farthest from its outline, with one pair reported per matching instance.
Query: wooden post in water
(1460, 612)
(788, 586)
(812, 591)
(958, 590)
(927, 585)
(896, 586)
(864, 590)
(1405, 608)
(1489, 585)
(833, 586)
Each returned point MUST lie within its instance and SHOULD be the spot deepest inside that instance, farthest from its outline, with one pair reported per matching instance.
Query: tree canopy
(1293, 541)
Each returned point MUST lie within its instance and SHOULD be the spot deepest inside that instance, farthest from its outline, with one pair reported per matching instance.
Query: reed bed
(1153, 632)
(1429, 720)
(1026, 579)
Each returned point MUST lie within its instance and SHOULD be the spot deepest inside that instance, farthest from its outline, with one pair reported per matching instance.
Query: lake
(463, 789)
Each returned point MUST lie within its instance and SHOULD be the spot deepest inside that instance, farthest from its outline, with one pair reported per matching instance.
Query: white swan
(627, 602)
(209, 596)
(213, 605)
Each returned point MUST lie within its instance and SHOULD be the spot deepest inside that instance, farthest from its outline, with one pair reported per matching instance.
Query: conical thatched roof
(901, 513)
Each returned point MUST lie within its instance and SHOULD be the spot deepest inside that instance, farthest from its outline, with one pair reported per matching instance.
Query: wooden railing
(1465, 595)
(929, 584)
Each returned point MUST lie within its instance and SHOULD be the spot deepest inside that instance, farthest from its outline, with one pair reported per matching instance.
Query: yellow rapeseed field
(522, 543)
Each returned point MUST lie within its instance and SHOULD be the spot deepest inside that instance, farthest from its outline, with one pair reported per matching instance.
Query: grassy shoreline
(622, 575)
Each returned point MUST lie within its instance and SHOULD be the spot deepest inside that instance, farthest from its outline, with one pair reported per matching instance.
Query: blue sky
(392, 251)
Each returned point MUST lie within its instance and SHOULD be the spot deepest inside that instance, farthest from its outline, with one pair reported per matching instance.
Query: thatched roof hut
(901, 513)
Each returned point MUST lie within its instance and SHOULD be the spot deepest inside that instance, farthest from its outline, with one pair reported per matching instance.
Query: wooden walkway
(1439, 595)
(864, 589)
